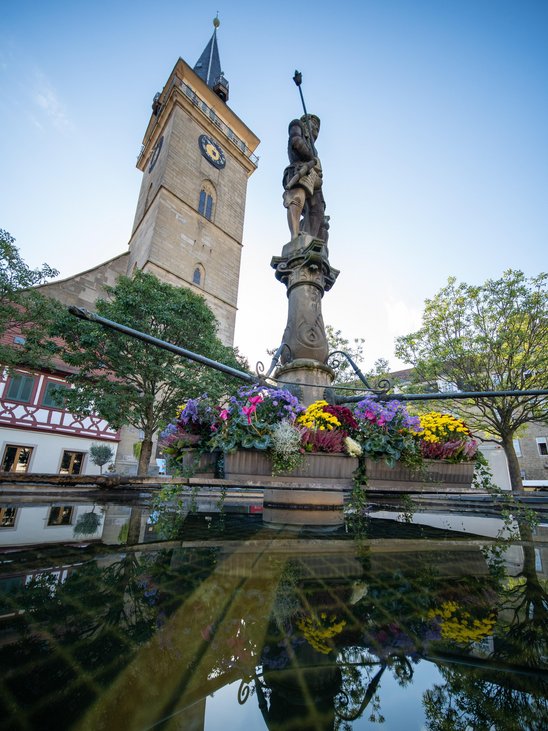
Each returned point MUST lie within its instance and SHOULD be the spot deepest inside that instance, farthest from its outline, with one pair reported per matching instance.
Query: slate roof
(208, 66)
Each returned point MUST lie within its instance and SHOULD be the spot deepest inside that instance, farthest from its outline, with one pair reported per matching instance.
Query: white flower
(352, 447)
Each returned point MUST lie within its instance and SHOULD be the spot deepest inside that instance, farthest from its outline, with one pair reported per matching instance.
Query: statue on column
(302, 180)
(303, 266)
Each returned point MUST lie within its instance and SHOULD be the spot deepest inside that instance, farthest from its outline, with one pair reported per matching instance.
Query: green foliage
(100, 454)
(87, 524)
(345, 376)
(483, 476)
(23, 311)
(127, 381)
(485, 338)
(354, 348)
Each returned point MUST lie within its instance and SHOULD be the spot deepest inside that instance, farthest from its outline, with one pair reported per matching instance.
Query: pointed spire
(208, 66)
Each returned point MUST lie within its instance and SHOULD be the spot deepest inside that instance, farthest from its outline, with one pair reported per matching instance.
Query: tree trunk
(513, 463)
(134, 527)
(144, 457)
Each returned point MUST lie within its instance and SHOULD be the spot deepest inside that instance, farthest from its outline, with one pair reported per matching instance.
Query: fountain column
(305, 270)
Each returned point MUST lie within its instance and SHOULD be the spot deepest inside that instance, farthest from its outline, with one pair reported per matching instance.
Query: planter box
(316, 468)
(436, 476)
(200, 465)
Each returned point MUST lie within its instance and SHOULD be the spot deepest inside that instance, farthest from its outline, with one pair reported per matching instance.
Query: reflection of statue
(302, 180)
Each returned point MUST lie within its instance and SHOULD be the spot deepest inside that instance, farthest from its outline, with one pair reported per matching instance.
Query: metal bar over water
(84, 314)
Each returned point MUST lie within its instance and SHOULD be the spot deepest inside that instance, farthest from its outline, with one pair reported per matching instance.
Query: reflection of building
(26, 525)
(196, 158)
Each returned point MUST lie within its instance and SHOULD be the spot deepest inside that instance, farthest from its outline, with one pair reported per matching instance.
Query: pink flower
(254, 400)
(248, 410)
(223, 414)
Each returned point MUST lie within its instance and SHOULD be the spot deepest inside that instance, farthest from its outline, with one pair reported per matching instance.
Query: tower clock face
(155, 153)
(212, 151)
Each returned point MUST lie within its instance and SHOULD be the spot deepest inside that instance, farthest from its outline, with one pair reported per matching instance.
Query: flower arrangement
(386, 431)
(442, 436)
(249, 417)
(273, 419)
(326, 428)
(253, 418)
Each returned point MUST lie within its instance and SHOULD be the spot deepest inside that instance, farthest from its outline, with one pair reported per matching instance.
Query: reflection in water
(312, 628)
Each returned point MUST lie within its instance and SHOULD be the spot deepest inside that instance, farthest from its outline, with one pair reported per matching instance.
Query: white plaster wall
(498, 464)
(48, 449)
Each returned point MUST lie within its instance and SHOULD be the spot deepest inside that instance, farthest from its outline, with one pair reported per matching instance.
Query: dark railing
(330, 393)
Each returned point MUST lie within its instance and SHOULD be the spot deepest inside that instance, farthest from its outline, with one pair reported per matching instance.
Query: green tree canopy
(487, 338)
(22, 310)
(100, 454)
(130, 382)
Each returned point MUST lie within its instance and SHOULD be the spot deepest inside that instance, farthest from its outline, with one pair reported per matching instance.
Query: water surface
(124, 617)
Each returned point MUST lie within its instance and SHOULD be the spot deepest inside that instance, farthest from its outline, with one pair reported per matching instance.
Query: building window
(198, 276)
(542, 446)
(16, 458)
(60, 515)
(517, 447)
(71, 463)
(7, 517)
(447, 386)
(206, 200)
(20, 388)
(52, 396)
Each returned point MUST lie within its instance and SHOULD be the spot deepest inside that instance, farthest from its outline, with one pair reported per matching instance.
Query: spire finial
(216, 21)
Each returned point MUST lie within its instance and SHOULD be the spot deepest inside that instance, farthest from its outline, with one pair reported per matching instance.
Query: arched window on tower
(198, 276)
(206, 202)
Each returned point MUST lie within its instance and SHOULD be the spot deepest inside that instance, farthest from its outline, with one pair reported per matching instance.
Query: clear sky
(434, 140)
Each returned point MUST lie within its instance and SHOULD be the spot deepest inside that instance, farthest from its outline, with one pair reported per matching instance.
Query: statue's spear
(298, 79)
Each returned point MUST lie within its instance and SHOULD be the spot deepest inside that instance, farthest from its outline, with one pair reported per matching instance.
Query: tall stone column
(305, 270)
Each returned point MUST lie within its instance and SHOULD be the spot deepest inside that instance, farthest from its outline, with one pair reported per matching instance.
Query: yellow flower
(316, 418)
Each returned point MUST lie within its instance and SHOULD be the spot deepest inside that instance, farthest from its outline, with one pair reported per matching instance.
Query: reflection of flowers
(318, 629)
(390, 638)
(457, 624)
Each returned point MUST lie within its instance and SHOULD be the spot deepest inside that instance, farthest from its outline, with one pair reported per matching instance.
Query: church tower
(196, 158)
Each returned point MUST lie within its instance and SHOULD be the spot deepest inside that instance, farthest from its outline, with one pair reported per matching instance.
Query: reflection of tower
(196, 158)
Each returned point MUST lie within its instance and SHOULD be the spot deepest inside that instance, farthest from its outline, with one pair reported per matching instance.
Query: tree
(130, 382)
(100, 454)
(22, 310)
(354, 348)
(345, 376)
(486, 338)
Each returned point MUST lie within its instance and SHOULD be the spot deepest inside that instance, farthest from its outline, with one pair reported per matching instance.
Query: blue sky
(434, 140)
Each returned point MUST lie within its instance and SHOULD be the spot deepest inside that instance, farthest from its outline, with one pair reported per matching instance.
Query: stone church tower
(196, 158)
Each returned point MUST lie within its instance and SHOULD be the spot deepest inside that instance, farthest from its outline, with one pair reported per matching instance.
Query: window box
(435, 476)
(251, 464)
